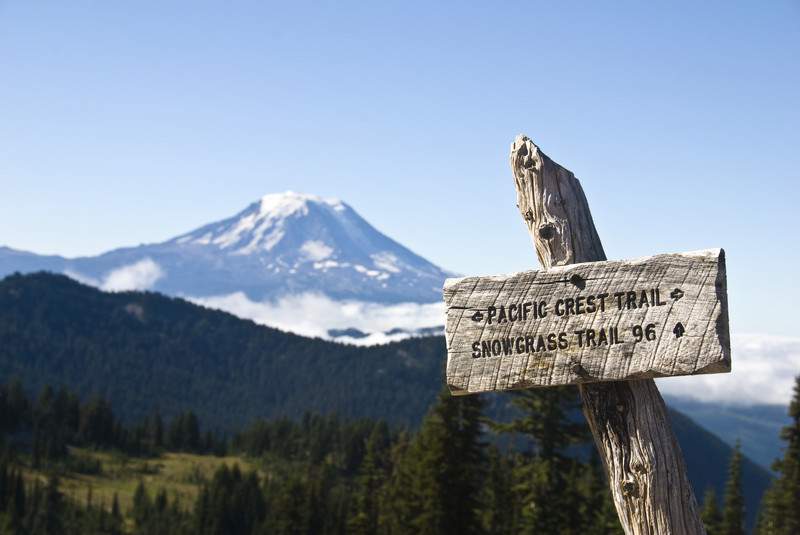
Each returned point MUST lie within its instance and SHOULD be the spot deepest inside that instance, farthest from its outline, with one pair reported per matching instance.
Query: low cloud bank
(764, 371)
(764, 366)
(141, 275)
(312, 314)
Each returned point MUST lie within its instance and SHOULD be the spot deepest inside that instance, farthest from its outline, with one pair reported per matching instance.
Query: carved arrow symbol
(478, 316)
(676, 294)
(679, 330)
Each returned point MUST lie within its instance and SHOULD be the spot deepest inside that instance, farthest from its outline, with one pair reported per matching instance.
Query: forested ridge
(146, 354)
(140, 349)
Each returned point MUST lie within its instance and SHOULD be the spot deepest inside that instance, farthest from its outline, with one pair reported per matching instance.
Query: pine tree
(547, 419)
(47, 518)
(397, 504)
(733, 510)
(598, 515)
(768, 521)
(499, 514)
(142, 506)
(364, 517)
(437, 484)
(115, 510)
(711, 515)
(788, 496)
(548, 422)
(157, 430)
(780, 506)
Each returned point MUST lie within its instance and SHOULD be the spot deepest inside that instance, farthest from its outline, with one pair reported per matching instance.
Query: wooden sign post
(608, 327)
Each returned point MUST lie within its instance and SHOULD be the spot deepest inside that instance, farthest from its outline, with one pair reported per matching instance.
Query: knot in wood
(579, 370)
(546, 232)
(639, 467)
(630, 489)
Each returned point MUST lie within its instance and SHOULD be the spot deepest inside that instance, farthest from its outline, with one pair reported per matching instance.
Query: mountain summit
(281, 245)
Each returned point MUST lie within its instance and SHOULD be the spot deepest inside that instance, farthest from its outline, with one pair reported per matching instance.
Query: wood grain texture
(658, 316)
(628, 419)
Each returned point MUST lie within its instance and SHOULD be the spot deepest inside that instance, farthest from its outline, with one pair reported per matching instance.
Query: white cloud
(140, 275)
(316, 250)
(311, 314)
(386, 261)
(764, 370)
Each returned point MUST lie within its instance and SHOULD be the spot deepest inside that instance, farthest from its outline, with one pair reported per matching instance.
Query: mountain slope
(757, 426)
(283, 244)
(144, 350)
(707, 456)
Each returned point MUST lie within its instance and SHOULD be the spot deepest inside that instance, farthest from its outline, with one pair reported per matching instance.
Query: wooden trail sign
(628, 419)
(603, 321)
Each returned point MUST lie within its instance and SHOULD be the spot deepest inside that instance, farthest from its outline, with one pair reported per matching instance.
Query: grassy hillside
(179, 474)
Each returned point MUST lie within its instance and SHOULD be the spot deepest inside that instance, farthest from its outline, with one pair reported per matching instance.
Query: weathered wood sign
(659, 316)
(628, 419)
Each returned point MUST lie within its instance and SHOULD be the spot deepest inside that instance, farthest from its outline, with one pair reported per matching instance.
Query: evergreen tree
(499, 511)
(733, 509)
(364, 517)
(711, 515)
(439, 479)
(548, 421)
(598, 515)
(14, 407)
(789, 466)
(47, 515)
(288, 513)
(768, 521)
(231, 503)
(18, 502)
(115, 510)
(140, 511)
(157, 430)
(780, 507)
(396, 502)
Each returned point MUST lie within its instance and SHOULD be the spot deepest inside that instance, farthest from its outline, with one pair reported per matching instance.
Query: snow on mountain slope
(271, 262)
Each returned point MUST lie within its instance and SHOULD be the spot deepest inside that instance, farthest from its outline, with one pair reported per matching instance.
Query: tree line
(48, 424)
(460, 472)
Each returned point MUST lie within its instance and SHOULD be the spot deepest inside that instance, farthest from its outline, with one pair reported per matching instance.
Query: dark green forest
(140, 349)
(324, 474)
(321, 474)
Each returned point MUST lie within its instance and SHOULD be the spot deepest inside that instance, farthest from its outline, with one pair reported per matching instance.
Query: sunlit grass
(179, 474)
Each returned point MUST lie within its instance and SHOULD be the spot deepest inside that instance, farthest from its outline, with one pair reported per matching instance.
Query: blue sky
(131, 122)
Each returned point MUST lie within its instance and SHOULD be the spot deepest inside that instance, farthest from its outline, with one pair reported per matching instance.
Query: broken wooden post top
(554, 207)
(658, 316)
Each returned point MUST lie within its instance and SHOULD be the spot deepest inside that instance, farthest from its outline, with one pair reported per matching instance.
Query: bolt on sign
(659, 316)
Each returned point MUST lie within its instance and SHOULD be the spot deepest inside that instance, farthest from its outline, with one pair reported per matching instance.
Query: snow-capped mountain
(286, 252)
